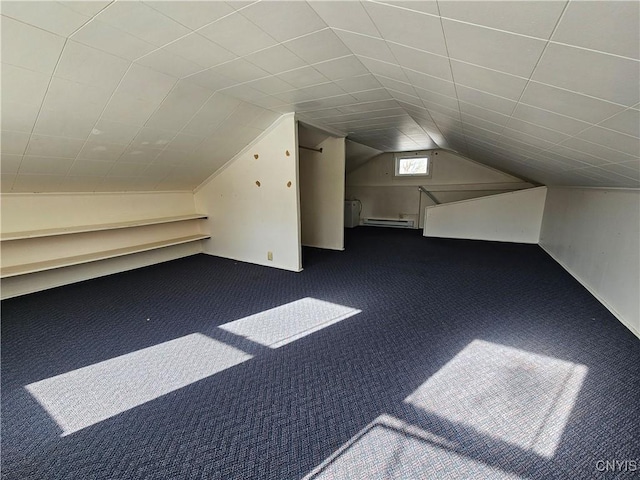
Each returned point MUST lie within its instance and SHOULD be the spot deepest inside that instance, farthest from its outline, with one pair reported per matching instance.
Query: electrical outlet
(269, 255)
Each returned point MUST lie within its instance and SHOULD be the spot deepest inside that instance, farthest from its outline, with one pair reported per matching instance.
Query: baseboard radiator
(389, 222)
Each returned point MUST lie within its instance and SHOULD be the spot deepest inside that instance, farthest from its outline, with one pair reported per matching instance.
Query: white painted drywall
(595, 235)
(507, 217)
(247, 221)
(453, 178)
(36, 211)
(322, 194)
(25, 212)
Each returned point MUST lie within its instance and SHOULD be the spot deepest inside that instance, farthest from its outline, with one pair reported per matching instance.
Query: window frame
(402, 156)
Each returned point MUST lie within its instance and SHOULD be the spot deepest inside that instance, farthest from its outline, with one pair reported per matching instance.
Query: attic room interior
(320, 239)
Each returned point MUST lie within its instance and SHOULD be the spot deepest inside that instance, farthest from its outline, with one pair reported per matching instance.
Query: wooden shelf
(24, 269)
(96, 228)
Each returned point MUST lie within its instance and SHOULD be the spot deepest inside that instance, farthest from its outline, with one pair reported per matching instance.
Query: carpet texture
(440, 346)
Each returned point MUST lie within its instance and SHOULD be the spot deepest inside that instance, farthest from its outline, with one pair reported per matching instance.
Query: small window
(412, 165)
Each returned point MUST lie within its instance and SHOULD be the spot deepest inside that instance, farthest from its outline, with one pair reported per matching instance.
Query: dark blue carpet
(282, 413)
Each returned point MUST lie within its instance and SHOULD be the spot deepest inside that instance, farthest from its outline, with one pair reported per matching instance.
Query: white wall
(507, 217)
(247, 221)
(595, 235)
(452, 178)
(36, 211)
(25, 212)
(322, 194)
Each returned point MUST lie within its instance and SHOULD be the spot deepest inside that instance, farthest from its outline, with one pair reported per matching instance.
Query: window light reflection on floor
(284, 324)
(91, 394)
(515, 396)
(392, 449)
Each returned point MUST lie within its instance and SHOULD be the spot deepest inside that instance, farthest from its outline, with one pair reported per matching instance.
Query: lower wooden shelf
(16, 270)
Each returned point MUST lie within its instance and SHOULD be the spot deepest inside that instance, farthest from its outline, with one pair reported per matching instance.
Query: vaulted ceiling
(158, 95)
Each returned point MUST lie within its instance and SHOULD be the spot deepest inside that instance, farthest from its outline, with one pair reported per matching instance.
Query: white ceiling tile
(240, 70)
(284, 20)
(51, 16)
(75, 99)
(200, 50)
(424, 6)
(586, 156)
(18, 117)
(480, 123)
(366, 46)
(303, 77)
(534, 18)
(128, 169)
(23, 86)
(568, 103)
(64, 124)
(129, 109)
(88, 8)
(91, 168)
(143, 22)
(210, 79)
(409, 28)
(224, 32)
(359, 83)
(153, 138)
(46, 146)
(318, 47)
(87, 65)
(516, 137)
(145, 83)
(6, 182)
(346, 16)
(430, 83)
(243, 92)
(192, 14)
(628, 169)
(423, 62)
(38, 165)
(592, 73)
(430, 98)
(269, 85)
(14, 143)
(501, 51)
(410, 99)
(113, 132)
(567, 125)
(109, 39)
(99, 150)
(485, 100)
(179, 107)
(472, 130)
(166, 62)
(168, 158)
(371, 95)
(627, 122)
(614, 140)
(537, 131)
(323, 90)
(9, 164)
(184, 143)
(340, 68)
(490, 81)
(139, 155)
(483, 113)
(276, 59)
(29, 47)
(611, 27)
(389, 70)
(396, 85)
